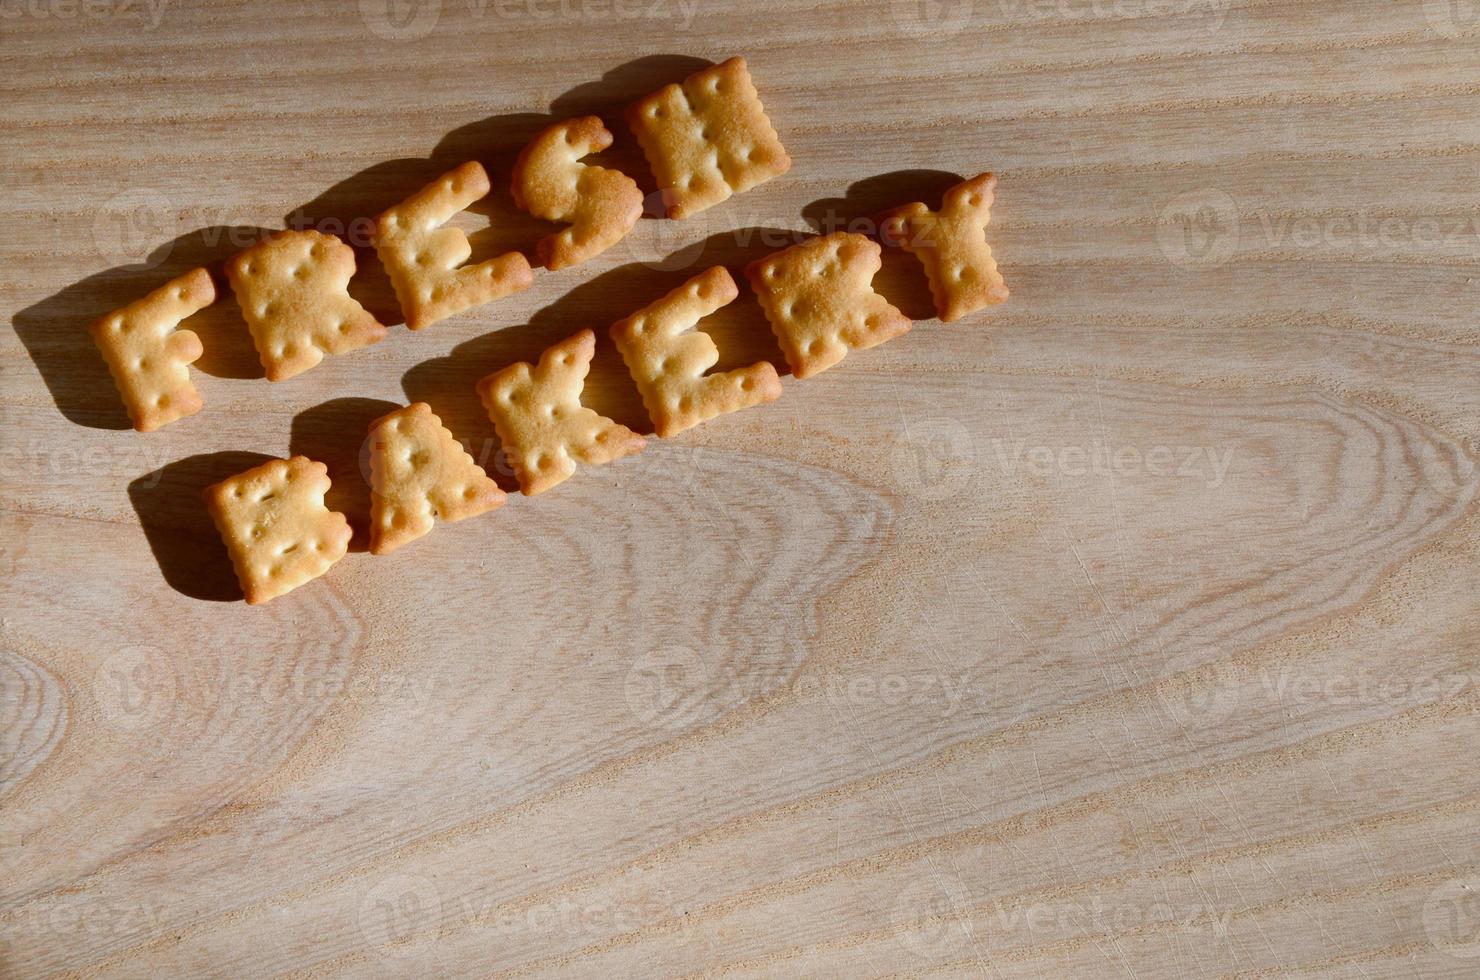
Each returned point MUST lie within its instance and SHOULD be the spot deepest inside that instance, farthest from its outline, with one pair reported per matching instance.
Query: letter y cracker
(952, 246)
(544, 428)
(149, 357)
(707, 138)
(667, 358)
(821, 303)
(419, 473)
(275, 525)
(293, 289)
(550, 182)
(425, 260)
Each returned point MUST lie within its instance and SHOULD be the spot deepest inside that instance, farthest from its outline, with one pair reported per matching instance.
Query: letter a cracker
(707, 137)
(425, 260)
(275, 525)
(293, 289)
(544, 428)
(667, 358)
(821, 303)
(952, 246)
(419, 474)
(550, 182)
(149, 357)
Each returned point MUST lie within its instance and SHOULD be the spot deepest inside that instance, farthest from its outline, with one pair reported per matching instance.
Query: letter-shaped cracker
(821, 302)
(667, 358)
(148, 356)
(550, 182)
(293, 289)
(425, 260)
(275, 525)
(420, 473)
(544, 428)
(707, 137)
(952, 246)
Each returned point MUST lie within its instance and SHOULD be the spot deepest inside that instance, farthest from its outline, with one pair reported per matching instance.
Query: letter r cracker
(667, 358)
(293, 289)
(419, 474)
(544, 428)
(425, 260)
(952, 246)
(149, 357)
(707, 137)
(275, 525)
(820, 300)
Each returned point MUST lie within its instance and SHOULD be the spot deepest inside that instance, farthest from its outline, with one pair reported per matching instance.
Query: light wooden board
(1130, 628)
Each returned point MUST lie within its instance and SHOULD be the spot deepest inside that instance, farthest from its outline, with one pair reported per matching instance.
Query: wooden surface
(1129, 628)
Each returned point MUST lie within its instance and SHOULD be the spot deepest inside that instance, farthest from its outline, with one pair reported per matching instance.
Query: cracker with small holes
(425, 260)
(551, 182)
(544, 428)
(420, 474)
(293, 289)
(952, 246)
(820, 300)
(149, 356)
(707, 137)
(275, 525)
(667, 358)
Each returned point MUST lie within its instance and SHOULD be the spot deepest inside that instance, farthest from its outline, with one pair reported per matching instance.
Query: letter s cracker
(275, 525)
(952, 246)
(550, 182)
(419, 473)
(425, 260)
(707, 138)
(149, 357)
(667, 358)
(821, 303)
(293, 289)
(544, 428)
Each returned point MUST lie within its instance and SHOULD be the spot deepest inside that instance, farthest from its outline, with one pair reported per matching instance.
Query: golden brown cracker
(667, 358)
(544, 428)
(551, 182)
(293, 289)
(275, 525)
(420, 474)
(707, 137)
(952, 246)
(425, 260)
(148, 355)
(820, 301)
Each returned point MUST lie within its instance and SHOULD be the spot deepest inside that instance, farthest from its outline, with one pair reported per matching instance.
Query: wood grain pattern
(1128, 628)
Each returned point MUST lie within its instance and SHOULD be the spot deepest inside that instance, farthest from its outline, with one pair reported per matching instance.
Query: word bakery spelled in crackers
(705, 139)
